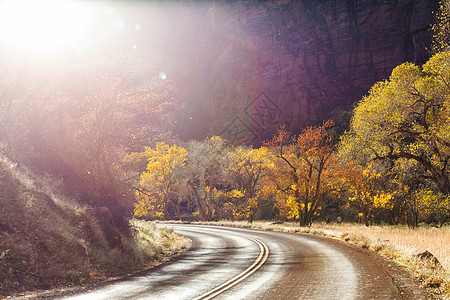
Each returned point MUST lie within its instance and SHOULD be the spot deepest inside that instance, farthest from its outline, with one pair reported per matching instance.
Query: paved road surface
(295, 267)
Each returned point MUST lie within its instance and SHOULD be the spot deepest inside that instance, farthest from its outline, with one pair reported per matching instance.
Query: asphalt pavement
(241, 263)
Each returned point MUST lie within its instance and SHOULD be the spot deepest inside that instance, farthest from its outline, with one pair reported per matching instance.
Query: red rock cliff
(247, 67)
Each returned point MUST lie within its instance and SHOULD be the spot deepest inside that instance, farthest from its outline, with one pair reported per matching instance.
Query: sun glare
(48, 25)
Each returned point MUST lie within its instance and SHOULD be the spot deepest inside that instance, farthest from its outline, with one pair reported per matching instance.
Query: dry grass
(397, 243)
(407, 240)
(49, 241)
(155, 240)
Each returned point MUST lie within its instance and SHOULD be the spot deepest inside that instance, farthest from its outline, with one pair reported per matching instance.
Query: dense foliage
(287, 178)
(401, 131)
(87, 144)
(76, 121)
(392, 165)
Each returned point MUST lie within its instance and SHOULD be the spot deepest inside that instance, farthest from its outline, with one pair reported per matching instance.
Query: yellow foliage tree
(367, 190)
(432, 203)
(406, 119)
(158, 184)
(441, 37)
(245, 168)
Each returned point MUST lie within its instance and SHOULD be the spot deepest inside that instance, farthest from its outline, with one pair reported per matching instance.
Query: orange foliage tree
(369, 191)
(303, 171)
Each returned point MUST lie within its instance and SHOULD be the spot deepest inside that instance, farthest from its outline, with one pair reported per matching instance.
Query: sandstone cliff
(248, 66)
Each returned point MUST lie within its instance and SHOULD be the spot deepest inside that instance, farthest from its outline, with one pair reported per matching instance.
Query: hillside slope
(48, 241)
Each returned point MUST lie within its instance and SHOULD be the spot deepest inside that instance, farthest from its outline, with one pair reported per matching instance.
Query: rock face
(248, 66)
(427, 255)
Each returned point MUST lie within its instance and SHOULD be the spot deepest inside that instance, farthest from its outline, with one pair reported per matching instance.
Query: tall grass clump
(154, 240)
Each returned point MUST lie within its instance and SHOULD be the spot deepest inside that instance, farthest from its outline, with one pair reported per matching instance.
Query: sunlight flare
(49, 25)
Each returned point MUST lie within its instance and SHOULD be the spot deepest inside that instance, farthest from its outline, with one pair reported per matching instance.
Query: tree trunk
(178, 212)
(306, 220)
(250, 218)
(201, 209)
(445, 220)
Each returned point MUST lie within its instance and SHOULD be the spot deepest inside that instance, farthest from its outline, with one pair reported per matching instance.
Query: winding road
(236, 263)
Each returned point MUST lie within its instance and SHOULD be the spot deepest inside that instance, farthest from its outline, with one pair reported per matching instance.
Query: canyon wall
(245, 67)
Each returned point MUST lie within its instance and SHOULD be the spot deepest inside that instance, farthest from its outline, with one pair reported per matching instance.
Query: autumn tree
(441, 29)
(303, 170)
(105, 117)
(158, 185)
(406, 118)
(245, 170)
(434, 205)
(369, 190)
(77, 119)
(204, 175)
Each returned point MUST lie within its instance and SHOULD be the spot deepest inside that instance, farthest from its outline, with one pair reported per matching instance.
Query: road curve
(260, 265)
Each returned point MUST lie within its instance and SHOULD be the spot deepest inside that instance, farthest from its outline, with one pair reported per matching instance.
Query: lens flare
(43, 25)
(163, 76)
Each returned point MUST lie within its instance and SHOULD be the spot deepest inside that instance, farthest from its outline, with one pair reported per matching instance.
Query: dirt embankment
(48, 241)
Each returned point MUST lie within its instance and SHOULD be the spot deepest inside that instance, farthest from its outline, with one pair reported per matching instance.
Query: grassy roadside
(150, 245)
(396, 243)
(157, 242)
(49, 241)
